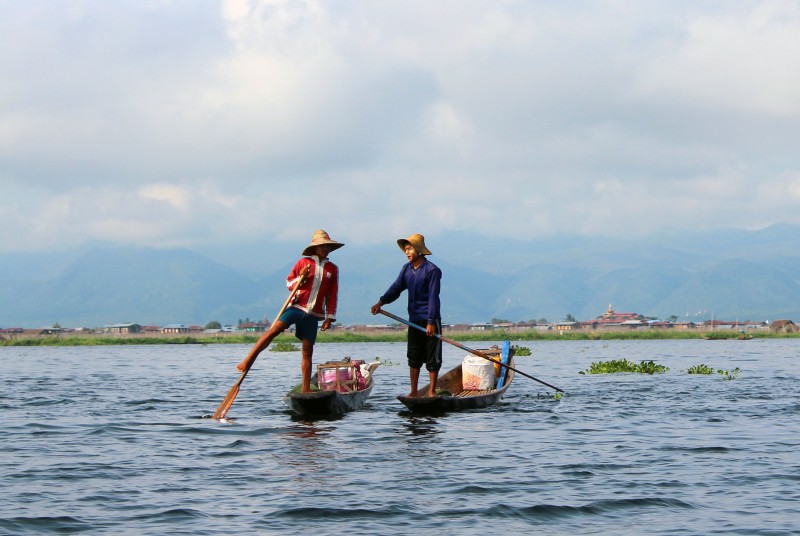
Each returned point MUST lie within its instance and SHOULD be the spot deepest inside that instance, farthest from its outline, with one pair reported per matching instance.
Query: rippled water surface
(110, 440)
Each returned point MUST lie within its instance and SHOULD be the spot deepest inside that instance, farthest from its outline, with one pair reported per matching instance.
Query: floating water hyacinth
(283, 346)
(729, 374)
(700, 369)
(624, 365)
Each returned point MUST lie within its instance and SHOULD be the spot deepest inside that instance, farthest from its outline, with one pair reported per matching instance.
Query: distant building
(614, 319)
(719, 324)
(566, 326)
(175, 328)
(253, 327)
(123, 328)
(12, 331)
(661, 324)
(634, 324)
(50, 331)
(783, 326)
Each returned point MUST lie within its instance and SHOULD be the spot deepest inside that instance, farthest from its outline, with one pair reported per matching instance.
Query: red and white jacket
(318, 295)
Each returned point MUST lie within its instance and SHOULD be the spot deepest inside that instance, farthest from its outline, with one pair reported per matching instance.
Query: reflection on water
(307, 438)
(311, 419)
(307, 429)
(420, 427)
(423, 437)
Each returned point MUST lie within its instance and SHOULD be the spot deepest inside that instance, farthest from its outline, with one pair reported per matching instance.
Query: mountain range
(724, 274)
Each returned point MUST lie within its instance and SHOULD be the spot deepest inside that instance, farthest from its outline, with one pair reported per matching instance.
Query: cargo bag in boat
(477, 374)
(338, 376)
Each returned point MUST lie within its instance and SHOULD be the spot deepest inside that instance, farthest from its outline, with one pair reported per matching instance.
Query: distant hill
(727, 275)
(145, 286)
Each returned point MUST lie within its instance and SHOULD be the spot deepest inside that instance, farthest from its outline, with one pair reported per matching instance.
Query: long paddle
(470, 350)
(223, 408)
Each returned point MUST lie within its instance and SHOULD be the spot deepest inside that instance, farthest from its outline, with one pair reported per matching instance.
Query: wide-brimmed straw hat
(417, 241)
(321, 238)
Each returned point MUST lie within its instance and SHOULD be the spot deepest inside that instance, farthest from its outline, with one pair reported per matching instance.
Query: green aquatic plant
(649, 367)
(283, 346)
(729, 374)
(700, 369)
(522, 351)
(386, 363)
(558, 395)
(624, 365)
(299, 388)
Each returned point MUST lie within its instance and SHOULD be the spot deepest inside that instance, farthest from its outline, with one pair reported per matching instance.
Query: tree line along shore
(346, 336)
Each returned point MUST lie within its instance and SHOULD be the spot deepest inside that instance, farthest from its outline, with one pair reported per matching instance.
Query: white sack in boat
(368, 368)
(477, 373)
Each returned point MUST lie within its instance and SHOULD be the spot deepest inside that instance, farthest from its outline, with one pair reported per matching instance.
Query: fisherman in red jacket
(316, 300)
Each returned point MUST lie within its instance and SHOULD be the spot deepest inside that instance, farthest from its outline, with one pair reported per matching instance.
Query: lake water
(113, 440)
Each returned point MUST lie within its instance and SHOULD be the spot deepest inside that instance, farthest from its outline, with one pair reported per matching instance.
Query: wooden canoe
(329, 403)
(459, 399)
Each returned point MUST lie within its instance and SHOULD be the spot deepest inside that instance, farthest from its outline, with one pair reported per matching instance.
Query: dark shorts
(425, 350)
(305, 325)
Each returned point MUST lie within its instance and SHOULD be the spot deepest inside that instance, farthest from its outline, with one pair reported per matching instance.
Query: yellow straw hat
(321, 238)
(417, 241)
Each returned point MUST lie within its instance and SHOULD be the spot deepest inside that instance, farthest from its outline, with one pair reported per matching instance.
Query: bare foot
(431, 393)
(412, 393)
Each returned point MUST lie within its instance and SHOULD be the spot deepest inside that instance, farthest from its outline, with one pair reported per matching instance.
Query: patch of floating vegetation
(625, 365)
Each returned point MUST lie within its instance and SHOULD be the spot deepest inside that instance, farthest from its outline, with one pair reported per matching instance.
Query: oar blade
(223, 408)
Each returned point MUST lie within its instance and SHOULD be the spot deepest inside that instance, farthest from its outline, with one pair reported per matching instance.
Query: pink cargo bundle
(343, 376)
(361, 382)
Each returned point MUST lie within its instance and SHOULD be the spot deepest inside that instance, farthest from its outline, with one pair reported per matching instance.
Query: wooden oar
(470, 350)
(223, 408)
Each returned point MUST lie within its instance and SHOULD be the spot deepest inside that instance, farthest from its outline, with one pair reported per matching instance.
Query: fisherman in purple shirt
(422, 279)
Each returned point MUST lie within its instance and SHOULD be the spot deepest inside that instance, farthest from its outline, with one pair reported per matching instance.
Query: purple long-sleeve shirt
(423, 285)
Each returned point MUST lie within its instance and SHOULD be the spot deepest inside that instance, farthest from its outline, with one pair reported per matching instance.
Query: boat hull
(327, 403)
(458, 400)
(445, 404)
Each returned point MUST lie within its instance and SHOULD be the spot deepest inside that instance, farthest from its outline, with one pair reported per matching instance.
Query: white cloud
(181, 122)
(177, 197)
(745, 60)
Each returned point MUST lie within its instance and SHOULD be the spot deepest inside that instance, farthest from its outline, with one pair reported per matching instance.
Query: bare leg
(414, 381)
(433, 377)
(305, 366)
(275, 329)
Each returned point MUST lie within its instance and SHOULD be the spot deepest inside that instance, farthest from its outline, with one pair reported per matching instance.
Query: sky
(178, 123)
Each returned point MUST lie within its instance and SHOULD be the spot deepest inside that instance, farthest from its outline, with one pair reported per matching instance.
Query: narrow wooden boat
(331, 402)
(454, 397)
(726, 337)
